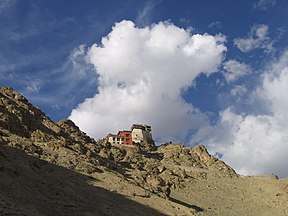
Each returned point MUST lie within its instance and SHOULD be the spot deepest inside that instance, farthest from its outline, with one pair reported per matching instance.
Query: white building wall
(115, 140)
(137, 135)
(110, 139)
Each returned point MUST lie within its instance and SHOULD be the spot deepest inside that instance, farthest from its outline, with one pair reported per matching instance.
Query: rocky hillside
(49, 168)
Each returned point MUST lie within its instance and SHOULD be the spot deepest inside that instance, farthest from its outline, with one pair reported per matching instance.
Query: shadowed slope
(30, 186)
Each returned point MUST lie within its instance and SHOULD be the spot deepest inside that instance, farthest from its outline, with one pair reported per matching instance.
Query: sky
(199, 71)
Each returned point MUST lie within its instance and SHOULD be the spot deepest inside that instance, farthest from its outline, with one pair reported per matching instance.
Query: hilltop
(53, 168)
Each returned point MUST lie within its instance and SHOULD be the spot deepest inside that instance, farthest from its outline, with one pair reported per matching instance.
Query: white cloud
(255, 144)
(233, 70)
(275, 87)
(142, 72)
(239, 90)
(263, 5)
(257, 39)
(78, 61)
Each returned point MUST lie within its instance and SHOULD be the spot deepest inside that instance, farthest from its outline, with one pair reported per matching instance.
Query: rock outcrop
(34, 149)
(156, 169)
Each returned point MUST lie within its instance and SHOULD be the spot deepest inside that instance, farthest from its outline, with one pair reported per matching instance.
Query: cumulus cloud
(255, 144)
(275, 87)
(257, 39)
(142, 72)
(233, 70)
(263, 5)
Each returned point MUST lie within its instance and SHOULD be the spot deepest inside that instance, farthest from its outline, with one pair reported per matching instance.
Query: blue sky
(228, 94)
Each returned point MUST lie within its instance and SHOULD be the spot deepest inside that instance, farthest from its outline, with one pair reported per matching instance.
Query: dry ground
(258, 195)
(30, 186)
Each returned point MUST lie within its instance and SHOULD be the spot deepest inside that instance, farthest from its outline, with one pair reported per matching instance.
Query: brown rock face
(44, 164)
(20, 117)
(193, 159)
(50, 140)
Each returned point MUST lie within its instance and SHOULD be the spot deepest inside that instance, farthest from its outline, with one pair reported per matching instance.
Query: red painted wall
(127, 137)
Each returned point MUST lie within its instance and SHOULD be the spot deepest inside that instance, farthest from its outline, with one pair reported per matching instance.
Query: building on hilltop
(139, 133)
(114, 139)
(127, 137)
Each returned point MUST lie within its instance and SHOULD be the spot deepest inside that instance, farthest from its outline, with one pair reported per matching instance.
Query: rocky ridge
(32, 143)
(63, 144)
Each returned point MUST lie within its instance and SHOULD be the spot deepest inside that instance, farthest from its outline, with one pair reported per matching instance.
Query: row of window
(120, 139)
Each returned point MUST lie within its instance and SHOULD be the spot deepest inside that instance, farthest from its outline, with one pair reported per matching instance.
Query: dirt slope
(49, 168)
